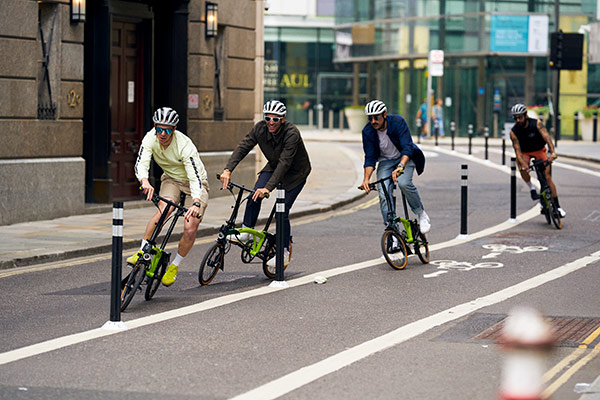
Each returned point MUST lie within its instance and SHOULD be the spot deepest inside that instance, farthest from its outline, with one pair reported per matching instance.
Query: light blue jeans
(405, 183)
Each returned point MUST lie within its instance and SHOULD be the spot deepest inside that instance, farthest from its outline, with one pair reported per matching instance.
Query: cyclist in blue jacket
(388, 144)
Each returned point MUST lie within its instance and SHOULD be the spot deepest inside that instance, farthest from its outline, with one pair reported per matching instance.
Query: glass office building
(495, 55)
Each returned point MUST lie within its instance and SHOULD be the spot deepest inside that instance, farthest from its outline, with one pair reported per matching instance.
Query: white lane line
(305, 375)
(54, 344)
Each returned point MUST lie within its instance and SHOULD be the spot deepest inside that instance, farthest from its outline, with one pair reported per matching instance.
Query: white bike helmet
(275, 107)
(375, 107)
(166, 116)
(518, 109)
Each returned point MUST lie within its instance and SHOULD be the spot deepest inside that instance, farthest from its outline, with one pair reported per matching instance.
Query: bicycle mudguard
(408, 229)
(155, 261)
(258, 238)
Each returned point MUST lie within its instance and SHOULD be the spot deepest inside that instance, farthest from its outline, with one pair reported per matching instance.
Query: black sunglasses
(168, 131)
(519, 117)
(275, 119)
(373, 117)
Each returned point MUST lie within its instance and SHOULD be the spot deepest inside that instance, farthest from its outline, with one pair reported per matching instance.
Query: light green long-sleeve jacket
(179, 161)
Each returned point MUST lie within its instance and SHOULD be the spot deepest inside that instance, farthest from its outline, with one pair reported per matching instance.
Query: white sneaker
(243, 237)
(562, 212)
(286, 259)
(424, 222)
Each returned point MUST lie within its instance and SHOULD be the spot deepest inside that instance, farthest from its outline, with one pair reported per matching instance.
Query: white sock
(144, 241)
(531, 187)
(177, 260)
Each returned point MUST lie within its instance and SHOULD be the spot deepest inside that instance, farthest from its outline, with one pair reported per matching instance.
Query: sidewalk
(80, 235)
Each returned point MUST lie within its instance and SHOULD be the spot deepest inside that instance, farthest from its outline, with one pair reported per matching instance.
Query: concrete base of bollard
(115, 326)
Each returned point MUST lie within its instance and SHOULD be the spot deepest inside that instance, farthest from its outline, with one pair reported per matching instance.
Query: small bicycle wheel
(136, 277)
(422, 248)
(394, 249)
(212, 261)
(154, 283)
(555, 216)
(271, 272)
(546, 210)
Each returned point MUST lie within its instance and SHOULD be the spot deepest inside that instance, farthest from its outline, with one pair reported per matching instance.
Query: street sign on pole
(436, 63)
(435, 67)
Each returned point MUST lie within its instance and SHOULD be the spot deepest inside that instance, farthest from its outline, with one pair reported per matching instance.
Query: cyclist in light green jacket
(183, 171)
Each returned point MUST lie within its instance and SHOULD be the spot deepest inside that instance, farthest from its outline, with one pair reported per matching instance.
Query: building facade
(76, 97)
(299, 69)
(495, 55)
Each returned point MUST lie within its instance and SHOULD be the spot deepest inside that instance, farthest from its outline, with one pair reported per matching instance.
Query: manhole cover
(569, 332)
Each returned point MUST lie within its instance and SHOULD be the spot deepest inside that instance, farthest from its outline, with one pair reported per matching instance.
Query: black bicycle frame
(169, 204)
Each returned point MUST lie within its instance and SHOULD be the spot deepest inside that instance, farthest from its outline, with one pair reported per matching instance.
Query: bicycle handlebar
(538, 163)
(231, 185)
(373, 185)
(156, 198)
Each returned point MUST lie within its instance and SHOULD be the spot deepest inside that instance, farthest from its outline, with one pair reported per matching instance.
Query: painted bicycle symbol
(497, 249)
(446, 265)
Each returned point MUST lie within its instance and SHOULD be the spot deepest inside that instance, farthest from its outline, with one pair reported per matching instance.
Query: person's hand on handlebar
(147, 189)
(260, 193)
(397, 172)
(225, 178)
(365, 186)
(193, 211)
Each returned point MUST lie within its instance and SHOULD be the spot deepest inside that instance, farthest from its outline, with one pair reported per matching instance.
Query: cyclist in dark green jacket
(287, 162)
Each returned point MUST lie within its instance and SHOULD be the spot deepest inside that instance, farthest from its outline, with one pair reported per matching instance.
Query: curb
(130, 244)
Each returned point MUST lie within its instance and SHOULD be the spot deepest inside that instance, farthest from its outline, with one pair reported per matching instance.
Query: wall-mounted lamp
(77, 11)
(212, 20)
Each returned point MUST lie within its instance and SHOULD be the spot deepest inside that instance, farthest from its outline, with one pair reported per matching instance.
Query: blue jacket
(398, 131)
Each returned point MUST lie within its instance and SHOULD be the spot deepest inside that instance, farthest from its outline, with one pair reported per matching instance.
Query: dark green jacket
(285, 152)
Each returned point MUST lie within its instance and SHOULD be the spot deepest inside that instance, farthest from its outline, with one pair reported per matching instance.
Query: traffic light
(566, 50)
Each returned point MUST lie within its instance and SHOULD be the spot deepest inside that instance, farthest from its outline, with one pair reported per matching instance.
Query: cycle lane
(419, 271)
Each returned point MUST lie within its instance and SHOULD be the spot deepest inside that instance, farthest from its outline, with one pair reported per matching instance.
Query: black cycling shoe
(534, 195)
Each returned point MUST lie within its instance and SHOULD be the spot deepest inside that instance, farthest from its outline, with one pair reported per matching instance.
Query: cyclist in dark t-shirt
(529, 138)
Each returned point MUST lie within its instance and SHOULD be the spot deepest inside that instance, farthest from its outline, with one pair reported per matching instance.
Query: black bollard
(463, 200)
(503, 151)
(575, 127)
(513, 188)
(470, 131)
(117, 262)
(452, 132)
(486, 133)
(595, 128)
(280, 242)
(436, 128)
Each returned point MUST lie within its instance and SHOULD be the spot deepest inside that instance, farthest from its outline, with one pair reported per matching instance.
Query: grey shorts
(171, 188)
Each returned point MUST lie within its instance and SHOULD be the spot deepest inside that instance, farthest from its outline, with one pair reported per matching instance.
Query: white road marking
(491, 255)
(69, 340)
(308, 374)
(435, 274)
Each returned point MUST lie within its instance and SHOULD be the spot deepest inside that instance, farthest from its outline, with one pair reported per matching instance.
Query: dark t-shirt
(530, 138)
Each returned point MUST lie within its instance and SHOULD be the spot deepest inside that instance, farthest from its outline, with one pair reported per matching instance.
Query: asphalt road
(369, 332)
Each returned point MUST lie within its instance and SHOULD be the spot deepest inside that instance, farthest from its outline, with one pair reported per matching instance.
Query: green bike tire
(212, 261)
(422, 248)
(154, 283)
(136, 277)
(396, 257)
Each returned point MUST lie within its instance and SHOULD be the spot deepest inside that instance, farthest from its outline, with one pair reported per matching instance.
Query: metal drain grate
(569, 332)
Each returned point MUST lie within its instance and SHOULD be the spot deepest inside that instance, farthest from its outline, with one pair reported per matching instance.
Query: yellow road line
(79, 261)
(332, 214)
(568, 360)
(570, 372)
(590, 338)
